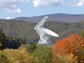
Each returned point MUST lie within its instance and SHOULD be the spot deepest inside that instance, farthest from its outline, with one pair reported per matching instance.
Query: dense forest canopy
(26, 29)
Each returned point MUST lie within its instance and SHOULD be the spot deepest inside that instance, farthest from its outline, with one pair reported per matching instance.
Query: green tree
(2, 39)
(42, 54)
(31, 46)
(14, 42)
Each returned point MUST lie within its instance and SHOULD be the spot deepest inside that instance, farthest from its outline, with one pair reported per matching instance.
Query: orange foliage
(72, 44)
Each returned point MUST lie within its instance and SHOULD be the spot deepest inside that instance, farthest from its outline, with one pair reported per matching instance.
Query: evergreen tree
(82, 34)
(2, 39)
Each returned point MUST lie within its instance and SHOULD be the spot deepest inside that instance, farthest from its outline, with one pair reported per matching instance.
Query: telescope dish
(44, 33)
(49, 32)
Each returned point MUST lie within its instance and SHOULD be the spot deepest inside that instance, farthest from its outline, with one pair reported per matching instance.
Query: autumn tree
(73, 44)
(2, 39)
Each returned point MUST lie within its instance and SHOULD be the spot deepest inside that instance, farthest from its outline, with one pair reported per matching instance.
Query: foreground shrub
(22, 46)
(81, 55)
(42, 54)
(3, 57)
(73, 44)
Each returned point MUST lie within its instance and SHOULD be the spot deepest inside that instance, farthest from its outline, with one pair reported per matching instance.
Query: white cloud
(8, 18)
(80, 3)
(13, 10)
(44, 3)
(11, 5)
(74, 2)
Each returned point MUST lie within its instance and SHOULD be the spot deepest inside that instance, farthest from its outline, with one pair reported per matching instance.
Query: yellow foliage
(27, 57)
(68, 58)
(17, 56)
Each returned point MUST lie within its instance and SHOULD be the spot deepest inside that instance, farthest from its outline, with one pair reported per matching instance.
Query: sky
(28, 8)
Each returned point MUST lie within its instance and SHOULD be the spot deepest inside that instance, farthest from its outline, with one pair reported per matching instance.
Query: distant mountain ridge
(72, 18)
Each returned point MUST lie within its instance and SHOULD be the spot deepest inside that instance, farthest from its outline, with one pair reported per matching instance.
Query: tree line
(10, 41)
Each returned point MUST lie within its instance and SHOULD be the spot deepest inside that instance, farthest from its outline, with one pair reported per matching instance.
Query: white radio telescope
(44, 33)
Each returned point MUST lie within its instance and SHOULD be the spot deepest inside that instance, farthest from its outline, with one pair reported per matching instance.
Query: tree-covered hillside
(25, 29)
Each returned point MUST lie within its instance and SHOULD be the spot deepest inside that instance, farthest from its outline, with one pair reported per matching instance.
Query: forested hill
(72, 18)
(25, 29)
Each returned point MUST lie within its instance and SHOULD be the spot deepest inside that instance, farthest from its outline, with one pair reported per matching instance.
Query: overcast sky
(27, 8)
